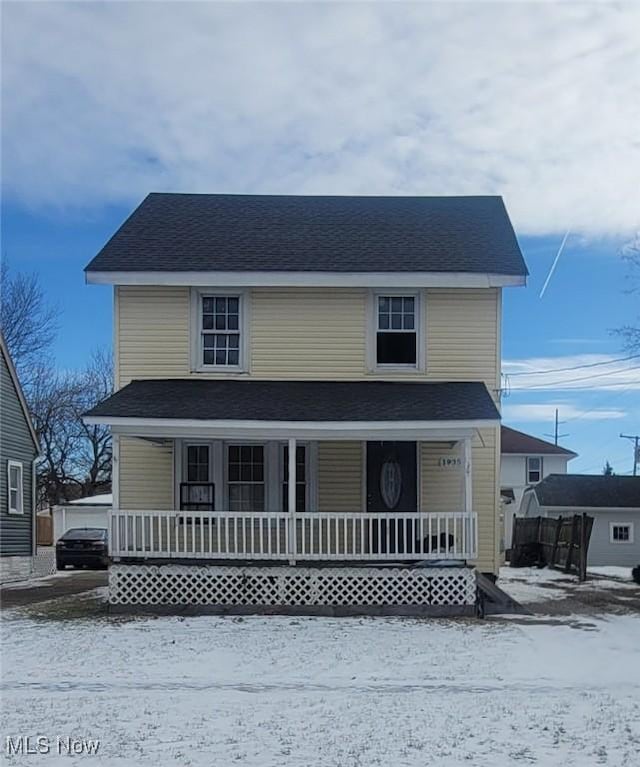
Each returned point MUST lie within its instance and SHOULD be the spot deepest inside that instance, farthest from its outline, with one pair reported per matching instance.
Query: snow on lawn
(534, 584)
(611, 571)
(264, 691)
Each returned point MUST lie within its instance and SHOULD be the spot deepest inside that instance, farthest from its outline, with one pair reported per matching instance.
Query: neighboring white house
(613, 502)
(83, 512)
(525, 460)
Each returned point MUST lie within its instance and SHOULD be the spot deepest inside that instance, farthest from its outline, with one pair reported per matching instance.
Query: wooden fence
(562, 543)
(44, 530)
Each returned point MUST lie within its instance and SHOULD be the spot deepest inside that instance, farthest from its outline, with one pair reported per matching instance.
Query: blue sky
(537, 102)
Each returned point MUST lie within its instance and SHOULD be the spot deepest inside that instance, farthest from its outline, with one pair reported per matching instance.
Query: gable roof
(518, 443)
(18, 388)
(214, 400)
(283, 233)
(588, 491)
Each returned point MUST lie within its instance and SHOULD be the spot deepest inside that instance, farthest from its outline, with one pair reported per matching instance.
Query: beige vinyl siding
(485, 481)
(462, 335)
(340, 476)
(309, 333)
(146, 475)
(441, 487)
(153, 332)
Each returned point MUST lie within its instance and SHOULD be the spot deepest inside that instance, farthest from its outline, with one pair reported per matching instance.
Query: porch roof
(323, 404)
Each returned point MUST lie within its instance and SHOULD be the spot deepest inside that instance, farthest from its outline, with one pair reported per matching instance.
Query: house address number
(449, 462)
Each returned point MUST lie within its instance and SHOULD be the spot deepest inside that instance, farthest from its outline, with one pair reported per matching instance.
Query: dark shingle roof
(589, 490)
(221, 232)
(518, 442)
(299, 401)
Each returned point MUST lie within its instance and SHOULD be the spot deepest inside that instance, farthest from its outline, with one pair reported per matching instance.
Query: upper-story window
(220, 331)
(534, 470)
(397, 331)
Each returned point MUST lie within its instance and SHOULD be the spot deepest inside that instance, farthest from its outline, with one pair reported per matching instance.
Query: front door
(391, 486)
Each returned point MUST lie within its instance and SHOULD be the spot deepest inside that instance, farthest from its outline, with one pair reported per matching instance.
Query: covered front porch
(298, 501)
(292, 472)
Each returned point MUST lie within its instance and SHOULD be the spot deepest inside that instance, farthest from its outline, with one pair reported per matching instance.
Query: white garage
(83, 512)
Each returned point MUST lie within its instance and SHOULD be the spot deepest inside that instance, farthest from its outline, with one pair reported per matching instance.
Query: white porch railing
(336, 536)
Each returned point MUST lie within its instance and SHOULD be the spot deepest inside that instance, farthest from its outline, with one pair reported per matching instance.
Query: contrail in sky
(555, 263)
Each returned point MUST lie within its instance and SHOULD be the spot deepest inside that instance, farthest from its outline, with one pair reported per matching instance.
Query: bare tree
(76, 458)
(52, 402)
(28, 321)
(94, 451)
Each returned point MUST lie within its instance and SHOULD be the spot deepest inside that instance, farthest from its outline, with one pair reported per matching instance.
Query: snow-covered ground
(264, 691)
(529, 585)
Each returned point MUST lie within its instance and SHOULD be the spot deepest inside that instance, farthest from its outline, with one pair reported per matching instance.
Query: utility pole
(635, 438)
(555, 434)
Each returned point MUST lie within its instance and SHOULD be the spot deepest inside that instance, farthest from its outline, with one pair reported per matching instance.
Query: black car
(83, 547)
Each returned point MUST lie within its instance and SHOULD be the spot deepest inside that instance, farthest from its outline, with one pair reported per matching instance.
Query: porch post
(469, 536)
(293, 545)
(466, 463)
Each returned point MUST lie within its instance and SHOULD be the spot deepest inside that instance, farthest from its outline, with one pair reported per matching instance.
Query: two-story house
(305, 382)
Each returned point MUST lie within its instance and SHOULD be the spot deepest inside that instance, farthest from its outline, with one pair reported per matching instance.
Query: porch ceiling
(309, 409)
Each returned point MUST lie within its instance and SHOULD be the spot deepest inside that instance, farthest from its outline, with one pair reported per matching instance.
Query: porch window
(220, 331)
(397, 331)
(197, 493)
(534, 470)
(301, 478)
(14, 476)
(246, 477)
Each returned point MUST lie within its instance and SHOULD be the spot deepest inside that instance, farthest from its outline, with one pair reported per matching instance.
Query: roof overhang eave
(173, 428)
(306, 279)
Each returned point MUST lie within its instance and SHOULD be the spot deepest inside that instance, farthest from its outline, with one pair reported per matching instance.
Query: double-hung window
(397, 326)
(15, 486)
(534, 470)
(245, 477)
(220, 332)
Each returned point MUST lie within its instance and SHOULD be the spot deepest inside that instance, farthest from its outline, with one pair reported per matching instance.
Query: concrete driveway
(59, 585)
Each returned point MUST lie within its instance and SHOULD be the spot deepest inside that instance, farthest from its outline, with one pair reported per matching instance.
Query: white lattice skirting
(339, 587)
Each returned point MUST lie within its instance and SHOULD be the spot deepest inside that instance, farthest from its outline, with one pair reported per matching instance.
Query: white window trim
(19, 509)
(273, 456)
(621, 524)
(420, 329)
(197, 366)
(540, 470)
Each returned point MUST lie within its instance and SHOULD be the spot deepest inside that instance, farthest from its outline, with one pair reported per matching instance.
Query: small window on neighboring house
(534, 470)
(397, 330)
(16, 498)
(220, 331)
(621, 533)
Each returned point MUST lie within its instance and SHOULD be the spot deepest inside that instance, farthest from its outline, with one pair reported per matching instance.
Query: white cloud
(545, 413)
(538, 102)
(579, 372)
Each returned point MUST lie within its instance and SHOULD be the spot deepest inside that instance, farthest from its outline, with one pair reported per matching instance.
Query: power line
(551, 384)
(573, 367)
